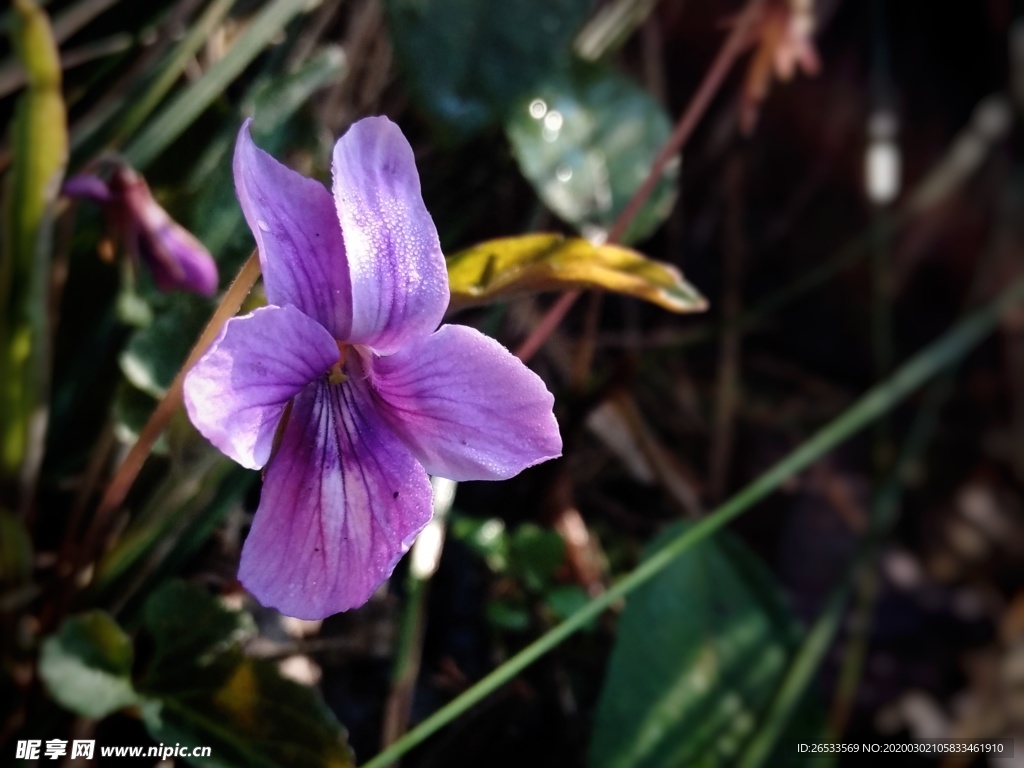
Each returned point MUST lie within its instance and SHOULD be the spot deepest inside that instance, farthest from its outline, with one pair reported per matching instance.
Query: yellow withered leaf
(533, 263)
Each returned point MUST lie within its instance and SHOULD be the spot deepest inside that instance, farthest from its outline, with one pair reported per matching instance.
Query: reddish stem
(734, 45)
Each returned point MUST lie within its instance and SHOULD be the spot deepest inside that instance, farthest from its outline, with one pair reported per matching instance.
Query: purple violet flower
(148, 234)
(345, 388)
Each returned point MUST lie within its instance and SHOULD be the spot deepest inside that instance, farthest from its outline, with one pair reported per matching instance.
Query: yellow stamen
(337, 373)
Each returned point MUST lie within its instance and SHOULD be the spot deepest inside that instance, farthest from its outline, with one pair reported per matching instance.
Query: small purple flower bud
(148, 234)
(87, 188)
(174, 256)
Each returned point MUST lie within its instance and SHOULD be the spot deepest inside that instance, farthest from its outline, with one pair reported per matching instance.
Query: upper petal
(236, 393)
(467, 407)
(342, 500)
(398, 274)
(296, 229)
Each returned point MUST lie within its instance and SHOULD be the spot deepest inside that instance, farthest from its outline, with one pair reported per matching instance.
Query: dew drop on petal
(263, 225)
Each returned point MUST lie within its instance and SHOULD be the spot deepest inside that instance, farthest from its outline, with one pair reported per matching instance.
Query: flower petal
(467, 408)
(87, 187)
(236, 393)
(175, 257)
(398, 274)
(172, 253)
(296, 229)
(342, 500)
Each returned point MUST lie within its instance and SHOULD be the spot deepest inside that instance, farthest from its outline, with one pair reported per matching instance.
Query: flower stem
(949, 348)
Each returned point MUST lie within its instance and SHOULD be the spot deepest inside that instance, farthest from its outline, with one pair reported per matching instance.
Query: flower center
(336, 375)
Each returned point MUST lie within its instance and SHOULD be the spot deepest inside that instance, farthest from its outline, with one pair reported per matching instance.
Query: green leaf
(700, 650)
(586, 140)
(535, 554)
(155, 353)
(200, 689)
(154, 559)
(175, 523)
(132, 409)
(484, 537)
(274, 100)
(190, 629)
(468, 62)
(545, 262)
(565, 599)
(39, 146)
(508, 614)
(138, 108)
(86, 666)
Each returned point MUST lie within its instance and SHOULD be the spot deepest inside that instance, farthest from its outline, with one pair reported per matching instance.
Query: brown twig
(734, 45)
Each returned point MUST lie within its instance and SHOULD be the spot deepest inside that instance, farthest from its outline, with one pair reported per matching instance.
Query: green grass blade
(197, 35)
(190, 103)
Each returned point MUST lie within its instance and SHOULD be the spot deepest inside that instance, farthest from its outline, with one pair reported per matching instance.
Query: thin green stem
(949, 348)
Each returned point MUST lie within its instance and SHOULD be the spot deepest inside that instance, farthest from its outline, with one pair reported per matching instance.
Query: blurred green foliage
(699, 651)
(192, 684)
(39, 147)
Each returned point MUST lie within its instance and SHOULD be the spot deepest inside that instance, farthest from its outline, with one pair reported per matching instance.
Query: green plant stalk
(64, 24)
(181, 111)
(408, 652)
(852, 666)
(38, 139)
(949, 348)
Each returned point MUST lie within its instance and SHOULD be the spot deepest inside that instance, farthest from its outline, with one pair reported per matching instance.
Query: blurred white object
(882, 164)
